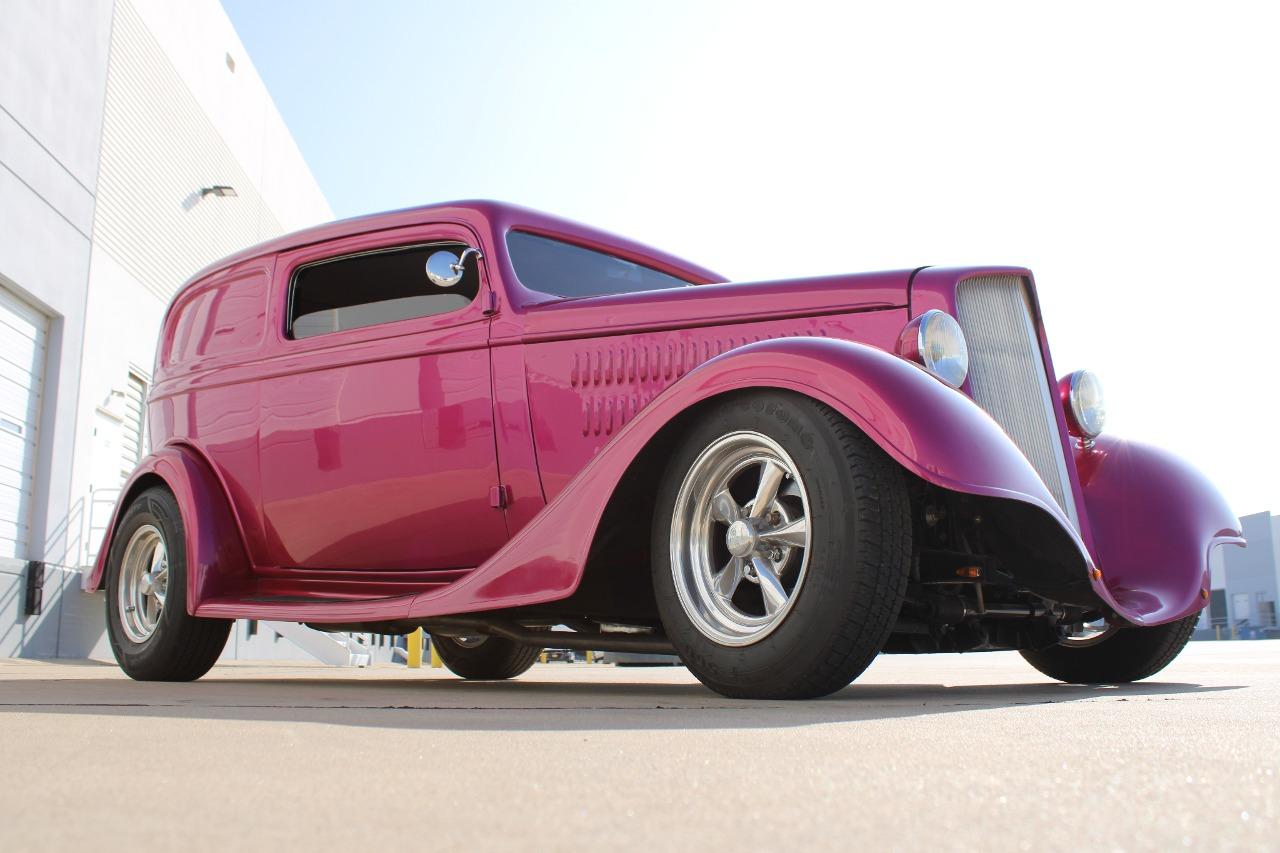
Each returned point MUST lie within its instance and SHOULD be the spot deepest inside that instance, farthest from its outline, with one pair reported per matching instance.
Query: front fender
(933, 431)
(1154, 520)
(217, 563)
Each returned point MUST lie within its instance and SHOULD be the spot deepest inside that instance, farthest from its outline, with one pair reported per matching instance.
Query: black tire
(494, 659)
(182, 647)
(1130, 654)
(859, 554)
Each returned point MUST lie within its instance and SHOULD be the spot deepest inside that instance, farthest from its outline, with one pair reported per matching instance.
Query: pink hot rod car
(518, 432)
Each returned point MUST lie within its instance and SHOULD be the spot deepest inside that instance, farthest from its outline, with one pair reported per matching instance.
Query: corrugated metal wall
(150, 216)
(133, 429)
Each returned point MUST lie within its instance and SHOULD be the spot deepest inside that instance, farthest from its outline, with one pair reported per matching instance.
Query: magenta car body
(472, 461)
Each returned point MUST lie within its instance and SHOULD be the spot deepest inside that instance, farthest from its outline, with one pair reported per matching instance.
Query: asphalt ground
(942, 752)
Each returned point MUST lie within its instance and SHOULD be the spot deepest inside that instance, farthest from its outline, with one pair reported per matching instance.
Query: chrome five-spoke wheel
(740, 538)
(152, 635)
(144, 583)
(780, 547)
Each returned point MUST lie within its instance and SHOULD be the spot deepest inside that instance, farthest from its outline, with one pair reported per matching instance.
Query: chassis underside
(986, 575)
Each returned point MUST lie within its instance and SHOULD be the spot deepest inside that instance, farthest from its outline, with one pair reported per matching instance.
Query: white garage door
(23, 335)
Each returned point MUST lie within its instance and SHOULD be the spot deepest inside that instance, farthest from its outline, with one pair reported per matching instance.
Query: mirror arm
(459, 267)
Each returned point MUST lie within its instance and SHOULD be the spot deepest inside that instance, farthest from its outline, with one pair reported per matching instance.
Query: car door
(376, 443)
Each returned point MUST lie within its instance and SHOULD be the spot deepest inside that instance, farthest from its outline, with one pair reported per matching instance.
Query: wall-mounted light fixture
(220, 190)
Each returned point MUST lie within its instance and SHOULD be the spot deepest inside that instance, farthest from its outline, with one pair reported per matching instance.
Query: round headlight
(1086, 408)
(934, 340)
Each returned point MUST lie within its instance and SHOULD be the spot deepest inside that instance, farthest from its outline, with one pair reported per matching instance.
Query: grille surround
(1007, 375)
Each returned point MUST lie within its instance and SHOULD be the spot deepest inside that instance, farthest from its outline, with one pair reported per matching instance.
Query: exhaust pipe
(597, 641)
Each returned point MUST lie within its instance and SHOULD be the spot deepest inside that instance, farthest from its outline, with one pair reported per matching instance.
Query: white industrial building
(117, 119)
(122, 125)
(1245, 585)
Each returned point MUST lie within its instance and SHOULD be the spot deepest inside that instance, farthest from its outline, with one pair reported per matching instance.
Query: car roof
(498, 216)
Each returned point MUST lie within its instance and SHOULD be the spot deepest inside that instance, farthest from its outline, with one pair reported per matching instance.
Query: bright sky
(1128, 153)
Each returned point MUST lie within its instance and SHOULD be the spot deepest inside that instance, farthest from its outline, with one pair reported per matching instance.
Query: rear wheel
(485, 658)
(1116, 654)
(781, 548)
(152, 635)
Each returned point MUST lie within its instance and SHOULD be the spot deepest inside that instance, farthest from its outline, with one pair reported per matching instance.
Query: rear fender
(217, 563)
(1154, 520)
(933, 431)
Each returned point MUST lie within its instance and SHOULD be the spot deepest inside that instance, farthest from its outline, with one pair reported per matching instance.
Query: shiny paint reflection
(347, 477)
(397, 458)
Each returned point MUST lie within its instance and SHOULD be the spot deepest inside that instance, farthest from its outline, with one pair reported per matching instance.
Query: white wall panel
(159, 148)
(198, 37)
(97, 230)
(53, 54)
(53, 65)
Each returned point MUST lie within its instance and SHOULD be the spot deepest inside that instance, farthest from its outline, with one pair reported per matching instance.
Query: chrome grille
(1007, 375)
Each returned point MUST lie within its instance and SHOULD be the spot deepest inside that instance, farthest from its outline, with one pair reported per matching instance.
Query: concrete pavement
(944, 751)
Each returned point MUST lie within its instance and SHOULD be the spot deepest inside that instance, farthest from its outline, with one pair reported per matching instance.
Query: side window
(373, 288)
(563, 269)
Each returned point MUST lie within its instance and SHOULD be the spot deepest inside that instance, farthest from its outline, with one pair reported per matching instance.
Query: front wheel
(781, 548)
(1116, 655)
(485, 658)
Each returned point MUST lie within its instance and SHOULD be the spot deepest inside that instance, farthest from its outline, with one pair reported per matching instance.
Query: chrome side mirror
(445, 269)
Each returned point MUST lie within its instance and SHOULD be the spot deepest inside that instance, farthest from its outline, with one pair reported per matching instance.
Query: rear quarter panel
(203, 396)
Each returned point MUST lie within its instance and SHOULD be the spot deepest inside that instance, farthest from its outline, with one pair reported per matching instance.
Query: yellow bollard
(590, 657)
(542, 656)
(413, 645)
(436, 663)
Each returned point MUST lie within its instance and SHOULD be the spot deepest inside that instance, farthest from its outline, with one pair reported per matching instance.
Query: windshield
(562, 269)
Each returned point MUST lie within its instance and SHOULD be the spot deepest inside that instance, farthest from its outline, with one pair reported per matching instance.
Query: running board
(329, 611)
(331, 648)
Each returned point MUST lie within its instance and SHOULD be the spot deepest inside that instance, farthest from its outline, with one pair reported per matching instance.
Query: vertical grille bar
(1007, 375)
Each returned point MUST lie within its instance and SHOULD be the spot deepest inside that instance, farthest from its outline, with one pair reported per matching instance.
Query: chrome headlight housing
(1085, 405)
(935, 341)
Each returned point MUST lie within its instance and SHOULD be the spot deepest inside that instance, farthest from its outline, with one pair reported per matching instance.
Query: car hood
(706, 304)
